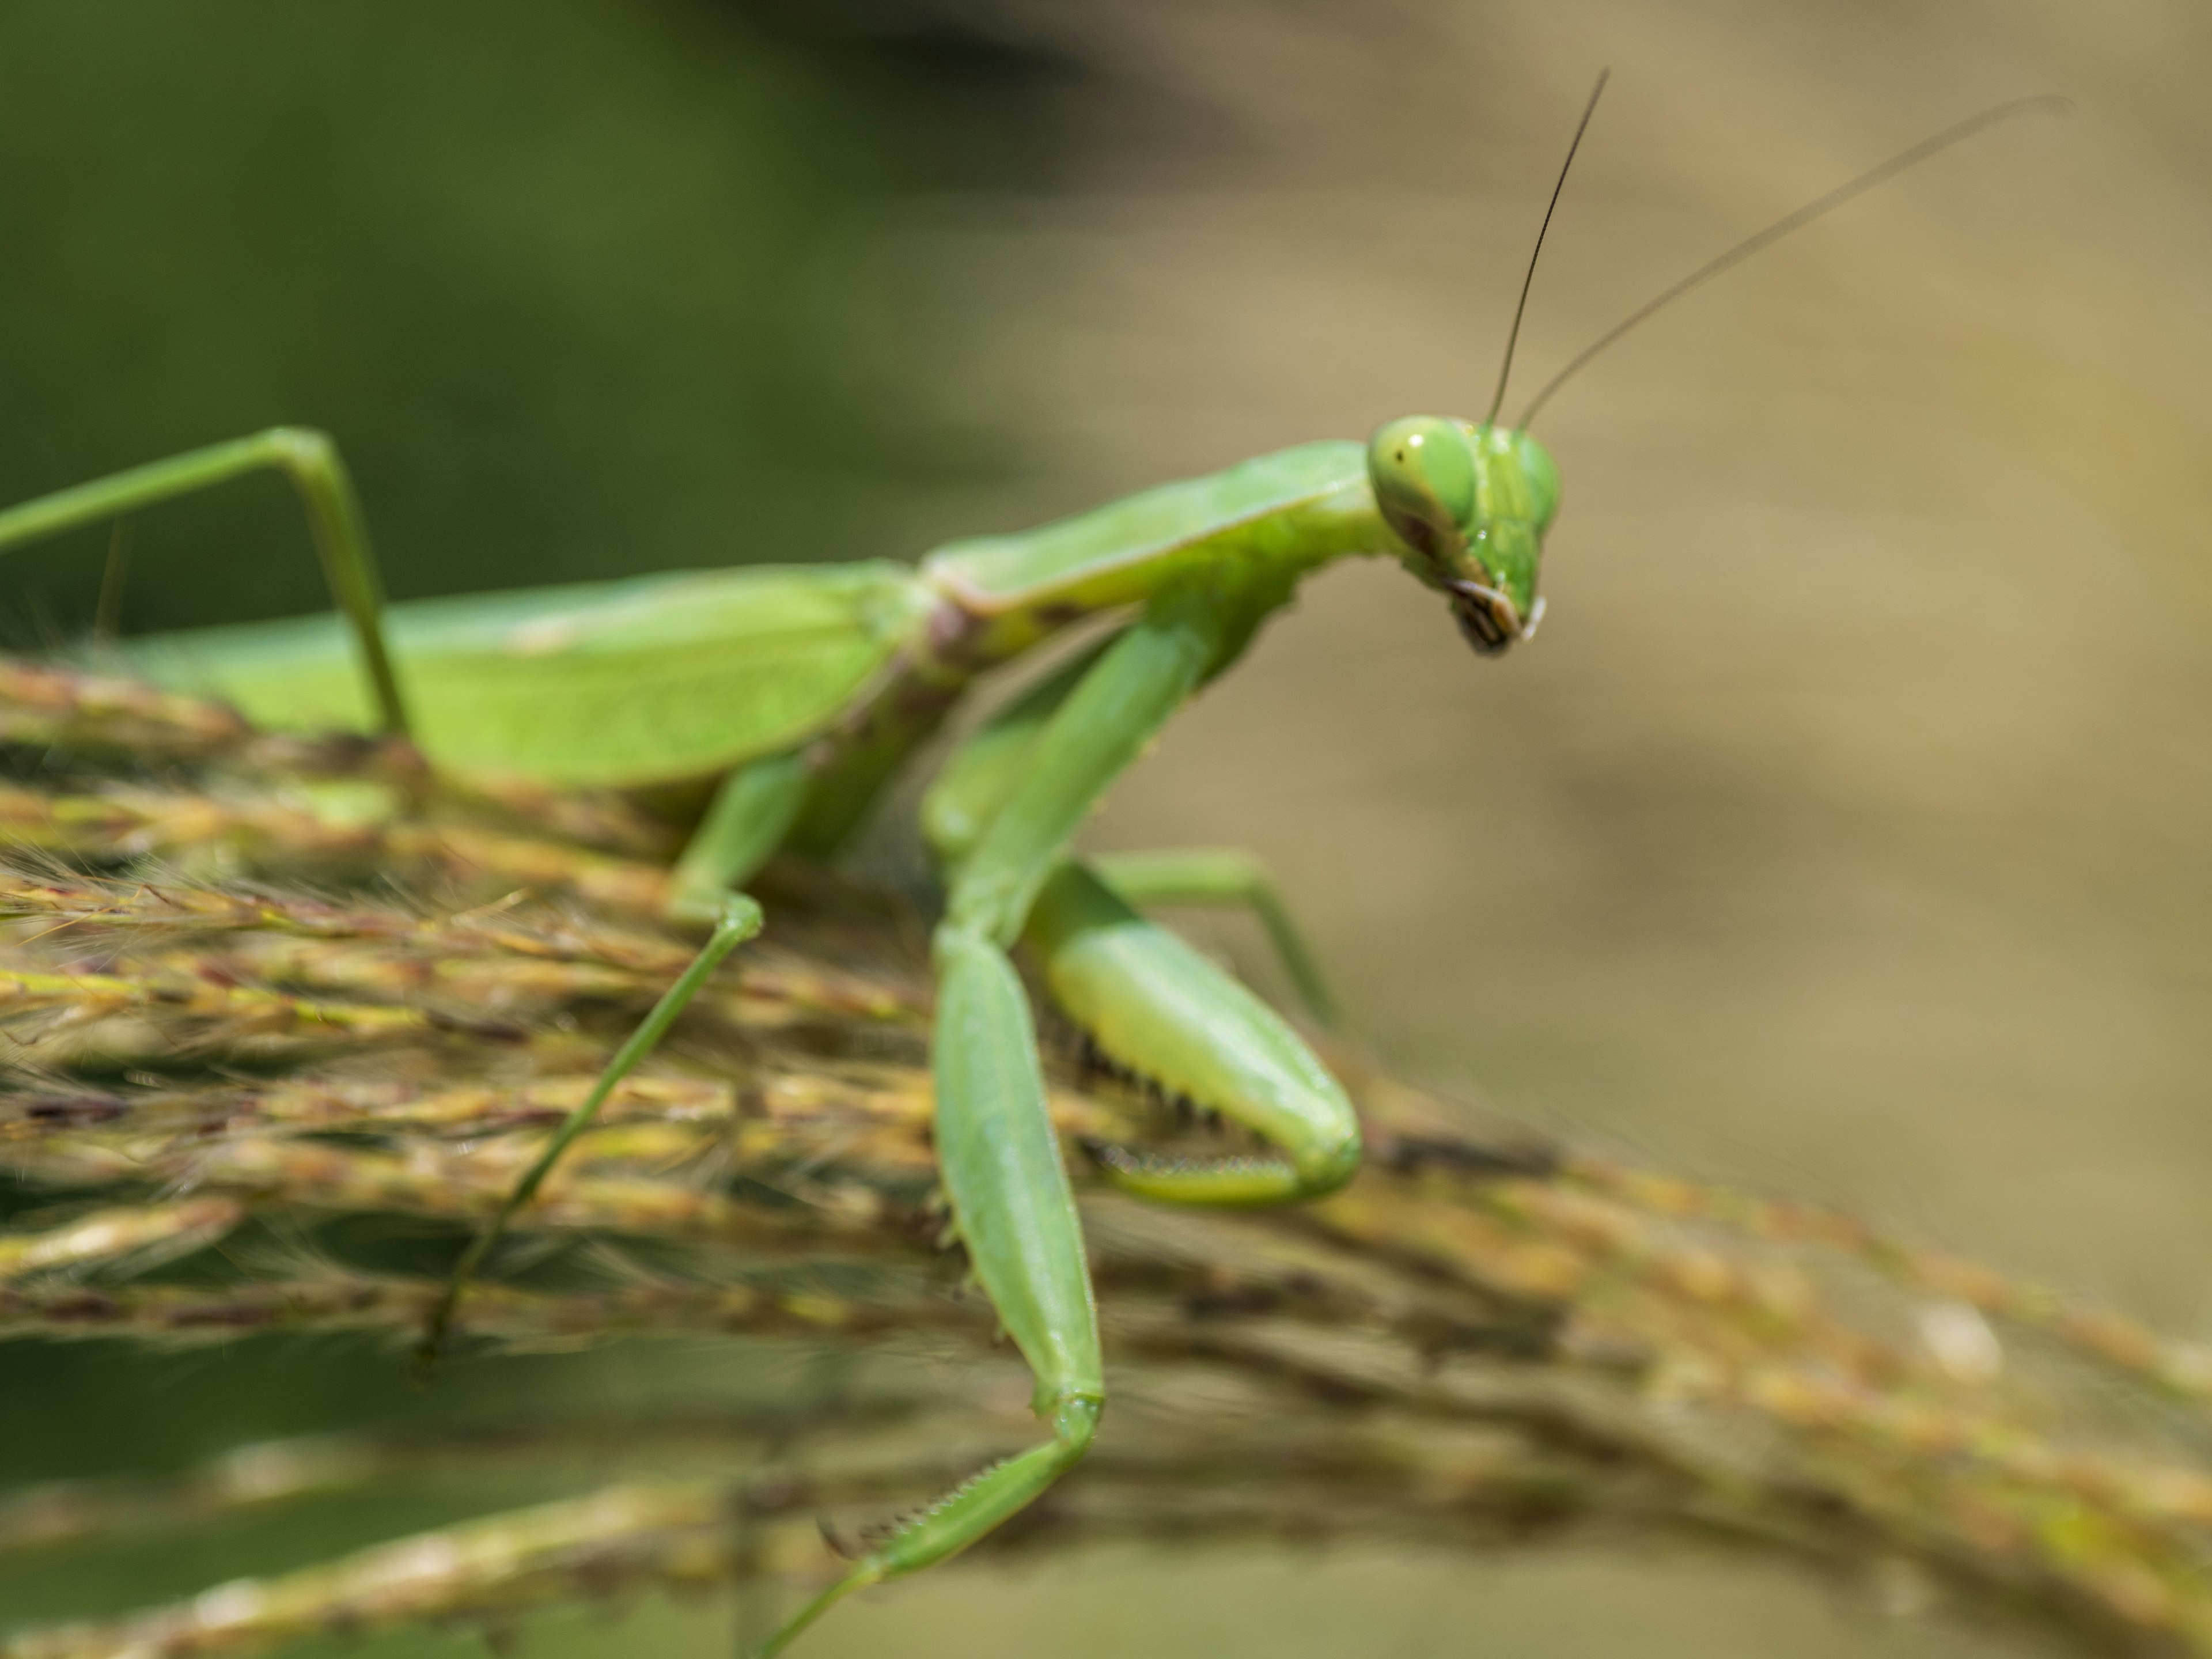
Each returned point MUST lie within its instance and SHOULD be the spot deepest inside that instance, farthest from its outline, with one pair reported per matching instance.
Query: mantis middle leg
(748, 816)
(752, 811)
(738, 920)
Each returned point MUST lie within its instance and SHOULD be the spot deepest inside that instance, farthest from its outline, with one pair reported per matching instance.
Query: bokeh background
(1845, 833)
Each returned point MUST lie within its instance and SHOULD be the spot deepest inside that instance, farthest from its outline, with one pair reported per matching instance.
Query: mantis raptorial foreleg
(1147, 1000)
(978, 780)
(1010, 1198)
(1154, 1003)
(996, 1147)
(306, 456)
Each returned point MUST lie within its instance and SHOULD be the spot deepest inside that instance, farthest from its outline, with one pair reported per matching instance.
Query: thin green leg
(746, 822)
(1226, 876)
(308, 458)
(748, 816)
(739, 920)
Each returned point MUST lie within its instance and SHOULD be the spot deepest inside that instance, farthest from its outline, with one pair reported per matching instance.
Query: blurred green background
(1844, 834)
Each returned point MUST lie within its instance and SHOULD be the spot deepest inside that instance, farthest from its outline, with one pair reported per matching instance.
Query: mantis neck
(1254, 530)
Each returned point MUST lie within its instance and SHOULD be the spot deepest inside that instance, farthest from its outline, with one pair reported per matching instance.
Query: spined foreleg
(1158, 1008)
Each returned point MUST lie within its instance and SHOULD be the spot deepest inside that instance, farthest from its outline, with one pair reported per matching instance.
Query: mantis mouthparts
(1489, 618)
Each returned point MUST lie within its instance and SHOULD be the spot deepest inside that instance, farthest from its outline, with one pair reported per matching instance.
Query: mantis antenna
(1513, 334)
(1804, 216)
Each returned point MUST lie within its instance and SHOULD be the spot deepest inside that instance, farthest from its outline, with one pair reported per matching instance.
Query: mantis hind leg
(311, 460)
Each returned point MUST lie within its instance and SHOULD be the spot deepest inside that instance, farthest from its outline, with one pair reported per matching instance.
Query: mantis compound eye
(1422, 470)
(1541, 473)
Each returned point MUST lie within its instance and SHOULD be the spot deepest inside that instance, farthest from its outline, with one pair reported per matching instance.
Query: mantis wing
(656, 679)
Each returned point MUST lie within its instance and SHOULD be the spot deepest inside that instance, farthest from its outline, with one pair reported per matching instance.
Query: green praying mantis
(796, 692)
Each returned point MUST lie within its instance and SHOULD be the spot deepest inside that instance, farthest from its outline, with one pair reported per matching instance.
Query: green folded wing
(650, 680)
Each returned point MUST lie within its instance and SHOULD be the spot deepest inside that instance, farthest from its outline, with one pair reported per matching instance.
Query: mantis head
(1471, 503)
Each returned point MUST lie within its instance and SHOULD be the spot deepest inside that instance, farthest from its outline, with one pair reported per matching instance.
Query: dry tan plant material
(253, 988)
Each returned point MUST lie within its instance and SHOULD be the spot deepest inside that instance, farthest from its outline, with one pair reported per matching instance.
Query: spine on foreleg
(1159, 1008)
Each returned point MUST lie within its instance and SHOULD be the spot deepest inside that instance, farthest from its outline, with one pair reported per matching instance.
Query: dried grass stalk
(254, 989)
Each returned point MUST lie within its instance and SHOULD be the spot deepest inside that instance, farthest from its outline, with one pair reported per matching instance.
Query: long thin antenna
(1804, 216)
(1513, 334)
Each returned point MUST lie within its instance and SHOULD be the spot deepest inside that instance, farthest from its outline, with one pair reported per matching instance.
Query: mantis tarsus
(796, 691)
